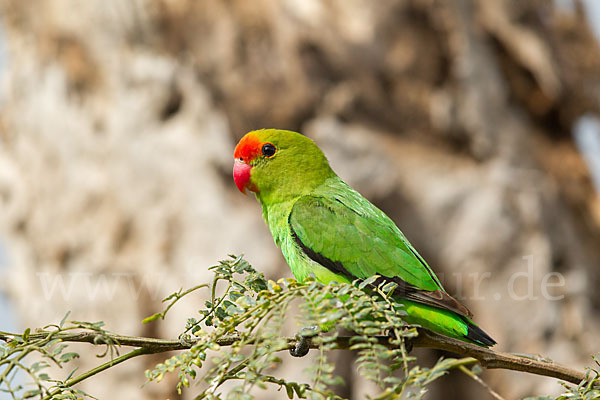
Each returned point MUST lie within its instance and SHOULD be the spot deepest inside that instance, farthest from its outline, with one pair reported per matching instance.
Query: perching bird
(326, 228)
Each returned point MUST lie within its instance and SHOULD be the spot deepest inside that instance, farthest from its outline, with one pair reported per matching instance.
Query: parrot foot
(303, 344)
(187, 340)
(408, 345)
(408, 342)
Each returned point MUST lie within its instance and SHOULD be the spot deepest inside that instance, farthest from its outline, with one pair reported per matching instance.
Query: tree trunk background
(118, 123)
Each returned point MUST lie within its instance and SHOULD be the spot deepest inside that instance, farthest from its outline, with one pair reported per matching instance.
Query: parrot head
(278, 164)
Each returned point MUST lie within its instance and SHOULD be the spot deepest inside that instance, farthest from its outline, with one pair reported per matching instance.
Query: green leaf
(151, 318)
(234, 295)
(26, 334)
(62, 321)
(367, 282)
(290, 391)
(389, 287)
(32, 393)
(68, 356)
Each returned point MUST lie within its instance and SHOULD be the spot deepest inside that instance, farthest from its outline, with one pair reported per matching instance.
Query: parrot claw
(187, 340)
(302, 346)
(408, 345)
(408, 342)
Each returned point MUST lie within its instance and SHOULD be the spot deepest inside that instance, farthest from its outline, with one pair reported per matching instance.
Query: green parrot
(326, 228)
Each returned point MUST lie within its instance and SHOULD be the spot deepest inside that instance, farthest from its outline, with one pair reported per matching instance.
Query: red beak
(241, 175)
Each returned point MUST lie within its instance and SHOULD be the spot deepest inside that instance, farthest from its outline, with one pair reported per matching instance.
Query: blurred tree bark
(119, 118)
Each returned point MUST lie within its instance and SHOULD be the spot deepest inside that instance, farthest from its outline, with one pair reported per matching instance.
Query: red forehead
(248, 148)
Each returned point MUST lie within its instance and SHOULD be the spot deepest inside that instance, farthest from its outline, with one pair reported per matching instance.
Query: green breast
(276, 217)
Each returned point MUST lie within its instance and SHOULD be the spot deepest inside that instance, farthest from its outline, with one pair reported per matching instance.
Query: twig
(486, 357)
(73, 381)
(477, 379)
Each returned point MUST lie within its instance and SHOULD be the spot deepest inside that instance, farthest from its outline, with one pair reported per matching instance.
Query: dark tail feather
(477, 335)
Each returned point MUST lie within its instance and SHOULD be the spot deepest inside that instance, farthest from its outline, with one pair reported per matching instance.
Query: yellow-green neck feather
(297, 168)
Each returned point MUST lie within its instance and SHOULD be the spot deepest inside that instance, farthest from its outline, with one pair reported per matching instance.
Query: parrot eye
(269, 150)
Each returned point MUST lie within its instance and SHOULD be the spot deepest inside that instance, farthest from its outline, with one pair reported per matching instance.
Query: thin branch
(486, 357)
(73, 381)
(494, 359)
(477, 379)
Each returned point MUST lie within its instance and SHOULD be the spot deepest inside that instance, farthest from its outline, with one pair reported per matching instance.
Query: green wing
(348, 235)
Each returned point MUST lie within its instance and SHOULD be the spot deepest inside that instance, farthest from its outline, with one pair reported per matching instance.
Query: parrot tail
(477, 335)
